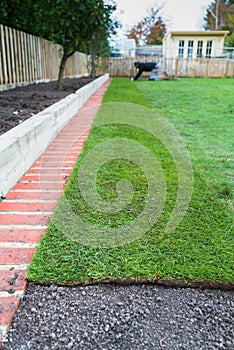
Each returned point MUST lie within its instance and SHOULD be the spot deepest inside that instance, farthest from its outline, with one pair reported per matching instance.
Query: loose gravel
(138, 317)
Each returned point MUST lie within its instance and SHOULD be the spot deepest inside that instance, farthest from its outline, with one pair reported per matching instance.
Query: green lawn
(202, 110)
(105, 228)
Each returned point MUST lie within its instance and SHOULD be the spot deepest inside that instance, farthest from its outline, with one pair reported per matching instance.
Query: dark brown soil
(21, 103)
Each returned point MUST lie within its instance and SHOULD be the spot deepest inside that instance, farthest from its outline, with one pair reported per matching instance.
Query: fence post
(207, 68)
(16, 54)
(12, 55)
(24, 56)
(4, 56)
(176, 66)
(18, 43)
(8, 58)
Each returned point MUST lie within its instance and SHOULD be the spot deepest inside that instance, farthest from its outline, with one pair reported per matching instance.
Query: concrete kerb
(22, 145)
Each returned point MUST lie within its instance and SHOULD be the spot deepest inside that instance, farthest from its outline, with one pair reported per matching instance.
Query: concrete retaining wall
(22, 145)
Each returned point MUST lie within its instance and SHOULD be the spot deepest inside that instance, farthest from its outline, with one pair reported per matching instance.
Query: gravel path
(109, 317)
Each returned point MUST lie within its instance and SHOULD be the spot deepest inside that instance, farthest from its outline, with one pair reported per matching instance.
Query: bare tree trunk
(61, 72)
(66, 55)
(217, 15)
(93, 59)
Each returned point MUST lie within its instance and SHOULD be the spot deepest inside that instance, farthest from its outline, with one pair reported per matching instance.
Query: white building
(149, 50)
(126, 47)
(193, 44)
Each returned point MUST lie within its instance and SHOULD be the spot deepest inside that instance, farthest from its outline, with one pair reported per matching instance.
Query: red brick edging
(25, 214)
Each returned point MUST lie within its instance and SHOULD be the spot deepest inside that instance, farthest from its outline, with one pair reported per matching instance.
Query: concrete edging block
(22, 145)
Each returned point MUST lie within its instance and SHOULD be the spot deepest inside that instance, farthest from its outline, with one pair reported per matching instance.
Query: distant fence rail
(177, 67)
(26, 58)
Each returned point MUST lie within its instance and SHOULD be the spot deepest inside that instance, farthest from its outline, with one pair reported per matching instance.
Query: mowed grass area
(201, 247)
(202, 110)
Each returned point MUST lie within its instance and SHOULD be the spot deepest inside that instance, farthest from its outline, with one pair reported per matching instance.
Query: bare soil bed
(21, 103)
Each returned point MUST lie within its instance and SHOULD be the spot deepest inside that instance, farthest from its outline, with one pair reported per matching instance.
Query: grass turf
(201, 247)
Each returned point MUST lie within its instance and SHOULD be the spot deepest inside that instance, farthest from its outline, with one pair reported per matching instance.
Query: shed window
(190, 48)
(199, 48)
(208, 48)
(181, 48)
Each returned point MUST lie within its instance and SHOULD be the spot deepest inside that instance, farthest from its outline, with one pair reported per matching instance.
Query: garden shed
(194, 44)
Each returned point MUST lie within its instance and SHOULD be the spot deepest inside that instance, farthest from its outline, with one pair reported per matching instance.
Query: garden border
(22, 145)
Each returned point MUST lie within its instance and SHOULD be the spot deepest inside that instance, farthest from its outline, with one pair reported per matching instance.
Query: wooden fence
(26, 58)
(200, 67)
(177, 67)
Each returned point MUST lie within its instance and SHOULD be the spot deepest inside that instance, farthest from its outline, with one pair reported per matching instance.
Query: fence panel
(177, 67)
(3, 57)
(76, 65)
(119, 67)
(230, 68)
(25, 58)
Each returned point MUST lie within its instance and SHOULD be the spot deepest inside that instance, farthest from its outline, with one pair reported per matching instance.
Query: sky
(178, 14)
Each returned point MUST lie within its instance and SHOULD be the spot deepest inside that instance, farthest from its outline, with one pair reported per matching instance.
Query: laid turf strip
(201, 246)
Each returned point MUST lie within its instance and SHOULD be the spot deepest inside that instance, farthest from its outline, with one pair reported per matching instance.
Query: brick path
(26, 212)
